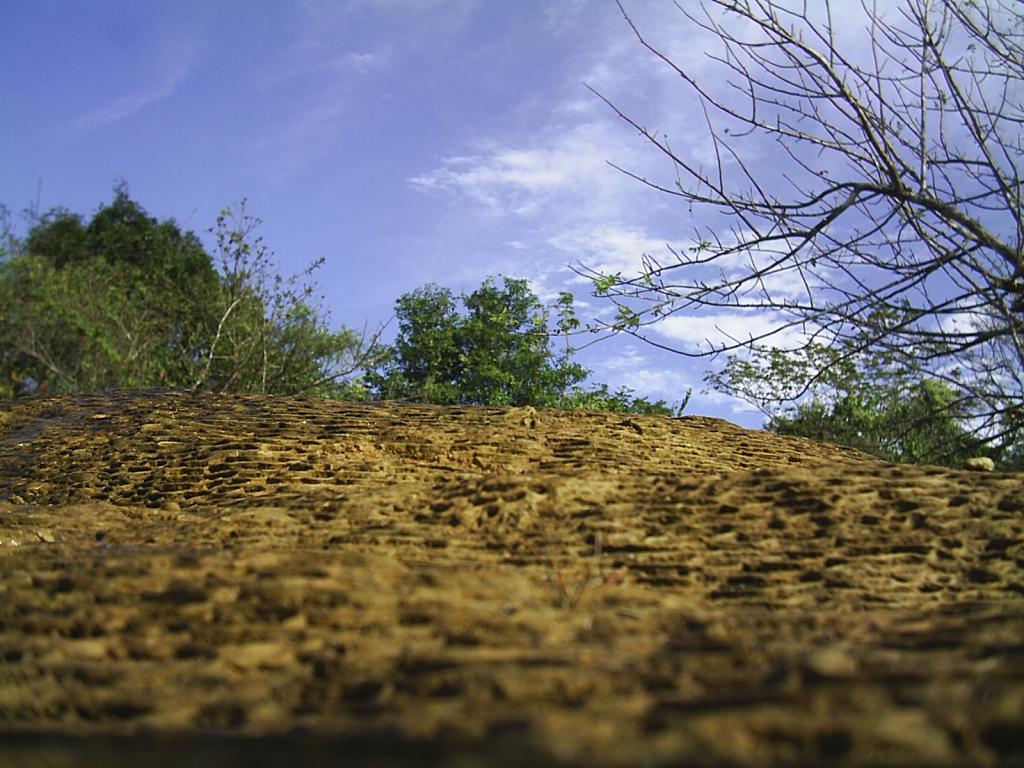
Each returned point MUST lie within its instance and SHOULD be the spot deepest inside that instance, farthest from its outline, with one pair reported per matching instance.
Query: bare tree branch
(897, 193)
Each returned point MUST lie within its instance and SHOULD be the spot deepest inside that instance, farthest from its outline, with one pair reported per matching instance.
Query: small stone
(831, 662)
(525, 417)
(86, 650)
(259, 655)
(225, 594)
(171, 506)
(980, 464)
(46, 535)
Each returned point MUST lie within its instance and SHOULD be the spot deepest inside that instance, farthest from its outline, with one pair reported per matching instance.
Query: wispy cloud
(663, 383)
(426, 19)
(714, 330)
(177, 59)
(315, 58)
(562, 15)
(518, 178)
(559, 171)
(318, 76)
(634, 368)
(609, 248)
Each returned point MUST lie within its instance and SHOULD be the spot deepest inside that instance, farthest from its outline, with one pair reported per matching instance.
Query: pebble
(980, 464)
(831, 661)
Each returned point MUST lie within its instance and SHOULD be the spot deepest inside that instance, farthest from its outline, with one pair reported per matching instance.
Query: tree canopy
(126, 300)
(498, 350)
(122, 299)
(869, 401)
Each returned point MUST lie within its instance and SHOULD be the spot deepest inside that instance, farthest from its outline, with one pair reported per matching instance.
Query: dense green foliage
(262, 332)
(125, 300)
(876, 402)
(497, 351)
(621, 400)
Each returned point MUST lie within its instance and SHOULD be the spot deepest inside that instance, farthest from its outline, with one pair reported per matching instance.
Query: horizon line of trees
(124, 300)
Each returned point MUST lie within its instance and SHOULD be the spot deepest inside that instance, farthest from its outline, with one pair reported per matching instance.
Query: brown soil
(244, 580)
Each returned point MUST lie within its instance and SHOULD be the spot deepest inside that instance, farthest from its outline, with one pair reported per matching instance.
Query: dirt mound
(250, 580)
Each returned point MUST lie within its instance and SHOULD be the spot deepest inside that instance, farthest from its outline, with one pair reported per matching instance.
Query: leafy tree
(120, 233)
(869, 401)
(896, 190)
(262, 333)
(506, 350)
(125, 300)
(79, 328)
(107, 303)
(915, 426)
(426, 361)
(497, 351)
(621, 400)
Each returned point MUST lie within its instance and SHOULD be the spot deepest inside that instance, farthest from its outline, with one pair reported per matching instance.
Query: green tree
(125, 300)
(123, 234)
(507, 354)
(79, 328)
(873, 402)
(102, 304)
(497, 351)
(425, 363)
(263, 332)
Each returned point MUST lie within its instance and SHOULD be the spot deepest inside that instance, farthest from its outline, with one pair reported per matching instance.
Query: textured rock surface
(213, 580)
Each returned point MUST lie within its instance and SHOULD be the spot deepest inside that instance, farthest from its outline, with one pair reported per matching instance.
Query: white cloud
(627, 359)
(745, 412)
(560, 169)
(659, 383)
(609, 248)
(507, 179)
(323, 78)
(625, 364)
(725, 328)
(563, 15)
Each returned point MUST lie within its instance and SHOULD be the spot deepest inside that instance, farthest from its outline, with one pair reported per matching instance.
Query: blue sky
(405, 141)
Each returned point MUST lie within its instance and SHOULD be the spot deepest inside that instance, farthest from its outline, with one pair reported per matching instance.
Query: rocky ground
(245, 580)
